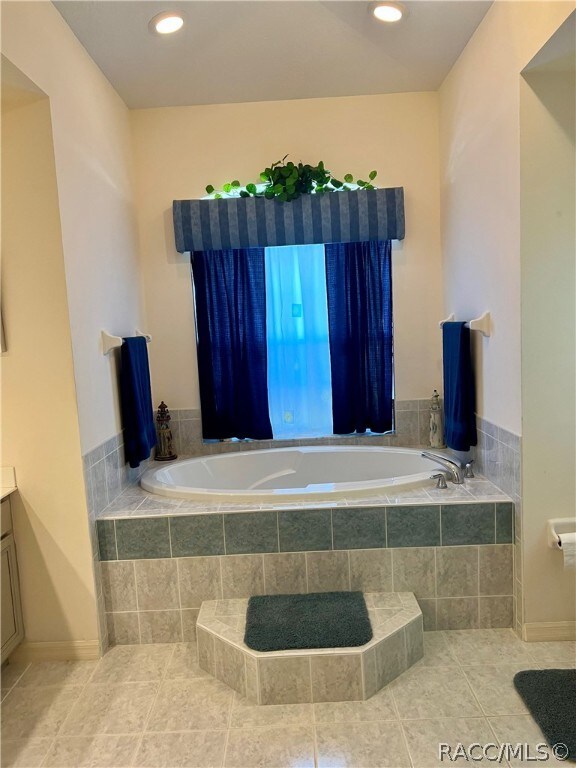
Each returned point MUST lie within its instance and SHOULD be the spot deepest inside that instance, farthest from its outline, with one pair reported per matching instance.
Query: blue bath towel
(136, 401)
(459, 389)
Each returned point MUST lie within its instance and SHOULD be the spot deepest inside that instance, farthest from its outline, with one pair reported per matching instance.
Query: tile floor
(151, 706)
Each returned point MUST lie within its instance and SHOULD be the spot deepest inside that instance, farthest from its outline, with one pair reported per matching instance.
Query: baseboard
(67, 650)
(543, 631)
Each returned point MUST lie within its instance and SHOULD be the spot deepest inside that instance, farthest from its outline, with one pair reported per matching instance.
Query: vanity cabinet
(11, 626)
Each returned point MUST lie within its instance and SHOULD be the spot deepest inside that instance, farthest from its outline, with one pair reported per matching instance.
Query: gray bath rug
(317, 620)
(550, 695)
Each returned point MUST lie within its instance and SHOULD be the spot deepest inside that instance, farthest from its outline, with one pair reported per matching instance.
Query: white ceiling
(263, 50)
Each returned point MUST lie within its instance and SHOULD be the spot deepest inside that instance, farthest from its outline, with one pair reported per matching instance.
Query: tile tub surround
(182, 531)
(106, 477)
(311, 675)
(158, 600)
(376, 544)
(412, 428)
(498, 457)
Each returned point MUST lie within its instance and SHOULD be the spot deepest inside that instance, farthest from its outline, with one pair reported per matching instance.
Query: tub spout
(454, 467)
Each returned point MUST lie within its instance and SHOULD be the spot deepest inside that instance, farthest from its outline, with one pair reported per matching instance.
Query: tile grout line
(62, 724)
(137, 603)
(152, 705)
(179, 599)
(478, 564)
(399, 721)
(229, 722)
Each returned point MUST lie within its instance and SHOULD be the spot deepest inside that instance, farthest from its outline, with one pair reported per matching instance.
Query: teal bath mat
(317, 620)
(550, 695)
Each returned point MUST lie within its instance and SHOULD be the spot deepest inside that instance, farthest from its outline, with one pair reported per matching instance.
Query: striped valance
(248, 222)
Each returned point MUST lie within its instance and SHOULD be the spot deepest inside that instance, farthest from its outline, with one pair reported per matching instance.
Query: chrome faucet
(453, 467)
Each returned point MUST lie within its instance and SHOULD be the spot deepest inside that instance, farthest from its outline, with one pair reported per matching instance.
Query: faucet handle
(469, 472)
(441, 478)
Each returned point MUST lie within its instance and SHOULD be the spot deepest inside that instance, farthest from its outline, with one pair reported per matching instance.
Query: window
(295, 341)
(298, 347)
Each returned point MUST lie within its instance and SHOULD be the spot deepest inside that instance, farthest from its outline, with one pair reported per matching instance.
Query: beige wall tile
(206, 658)
(156, 585)
(118, 585)
(428, 608)
(371, 570)
(496, 570)
(189, 619)
(285, 681)
(456, 571)
(123, 628)
(327, 571)
(336, 678)
(414, 641)
(413, 570)
(285, 573)
(242, 575)
(457, 613)
(229, 666)
(496, 612)
(199, 579)
(160, 627)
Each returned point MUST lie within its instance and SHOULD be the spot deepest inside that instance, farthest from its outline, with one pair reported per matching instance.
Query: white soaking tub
(292, 474)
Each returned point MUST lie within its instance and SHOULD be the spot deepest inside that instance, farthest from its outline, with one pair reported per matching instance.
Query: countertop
(7, 481)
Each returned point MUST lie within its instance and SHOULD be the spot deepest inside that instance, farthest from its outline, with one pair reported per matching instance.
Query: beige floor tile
(522, 729)
(133, 663)
(361, 745)
(196, 749)
(57, 673)
(424, 738)
(377, 707)
(92, 752)
(110, 709)
(494, 688)
(488, 646)
(291, 746)
(28, 712)
(184, 663)
(556, 665)
(185, 705)
(247, 715)
(431, 692)
(24, 753)
(545, 653)
(11, 673)
(437, 652)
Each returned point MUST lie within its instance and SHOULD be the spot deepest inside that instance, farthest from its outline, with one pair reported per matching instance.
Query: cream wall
(40, 432)
(548, 288)
(178, 151)
(480, 182)
(483, 258)
(93, 167)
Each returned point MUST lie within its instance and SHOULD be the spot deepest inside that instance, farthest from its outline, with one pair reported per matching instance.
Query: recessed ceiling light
(166, 23)
(389, 12)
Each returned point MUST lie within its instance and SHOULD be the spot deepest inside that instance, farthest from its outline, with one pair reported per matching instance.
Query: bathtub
(292, 474)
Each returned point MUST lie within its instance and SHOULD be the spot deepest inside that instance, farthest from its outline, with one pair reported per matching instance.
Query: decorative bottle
(436, 425)
(164, 449)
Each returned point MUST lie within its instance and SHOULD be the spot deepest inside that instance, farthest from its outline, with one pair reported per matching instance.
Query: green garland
(288, 181)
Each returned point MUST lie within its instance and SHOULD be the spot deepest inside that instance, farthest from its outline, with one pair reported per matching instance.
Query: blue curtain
(230, 294)
(359, 286)
(299, 385)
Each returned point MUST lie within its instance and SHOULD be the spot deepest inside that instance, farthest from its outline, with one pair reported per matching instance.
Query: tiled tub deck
(161, 558)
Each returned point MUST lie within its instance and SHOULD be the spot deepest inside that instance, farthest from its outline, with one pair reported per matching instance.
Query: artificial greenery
(287, 181)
